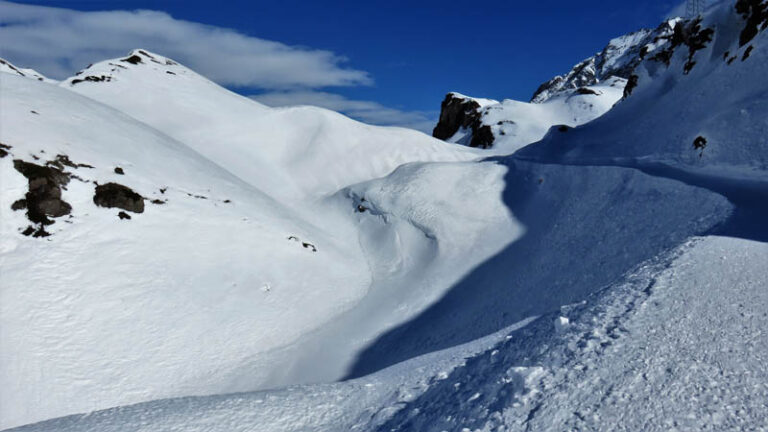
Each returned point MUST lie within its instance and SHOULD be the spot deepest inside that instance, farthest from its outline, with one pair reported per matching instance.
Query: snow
(517, 124)
(294, 154)
(8, 67)
(607, 277)
(108, 312)
(680, 344)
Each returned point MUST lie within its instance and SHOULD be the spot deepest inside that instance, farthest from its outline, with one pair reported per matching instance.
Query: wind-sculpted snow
(292, 154)
(176, 301)
(584, 228)
(608, 277)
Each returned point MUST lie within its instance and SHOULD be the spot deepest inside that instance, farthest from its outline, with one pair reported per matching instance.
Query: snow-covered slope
(8, 67)
(617, 60)
(683, 336)
(290, 153)
(504, 127)
(614, 270)
(175, 301)
(699, 103)
(586, 92)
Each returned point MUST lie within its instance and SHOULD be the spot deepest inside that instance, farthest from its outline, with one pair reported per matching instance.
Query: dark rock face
(455, 113)
(631, 84)
(586, 91)
(113, 195)
(43, 200)
(92, 78)
(685, 33)
(134, 59)
(4, 150)
(755, 12)
(482, 137)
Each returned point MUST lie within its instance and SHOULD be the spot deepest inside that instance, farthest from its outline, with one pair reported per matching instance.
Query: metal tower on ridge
(694, 8)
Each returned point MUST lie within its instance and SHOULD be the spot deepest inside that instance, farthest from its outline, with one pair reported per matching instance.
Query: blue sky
(382, 61)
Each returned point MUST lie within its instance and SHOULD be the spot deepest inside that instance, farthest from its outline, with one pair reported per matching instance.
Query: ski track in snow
(672, 348)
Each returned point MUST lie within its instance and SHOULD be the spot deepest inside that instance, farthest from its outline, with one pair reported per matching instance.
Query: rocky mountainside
(585, 92)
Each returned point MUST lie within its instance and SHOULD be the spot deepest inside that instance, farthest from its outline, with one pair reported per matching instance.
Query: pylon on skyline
(694, 8)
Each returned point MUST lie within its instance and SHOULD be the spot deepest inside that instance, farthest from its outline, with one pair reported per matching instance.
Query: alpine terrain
(178, 257)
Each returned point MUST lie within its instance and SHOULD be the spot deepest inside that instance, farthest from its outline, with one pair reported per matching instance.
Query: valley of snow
(611, 276)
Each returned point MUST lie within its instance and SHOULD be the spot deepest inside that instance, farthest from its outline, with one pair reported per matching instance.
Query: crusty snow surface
(611, 276)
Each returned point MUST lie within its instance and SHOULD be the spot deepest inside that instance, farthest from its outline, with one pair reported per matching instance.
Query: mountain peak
(8, 67)
(136, 61)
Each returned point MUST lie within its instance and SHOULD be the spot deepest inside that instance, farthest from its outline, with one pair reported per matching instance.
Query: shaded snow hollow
(608, 277)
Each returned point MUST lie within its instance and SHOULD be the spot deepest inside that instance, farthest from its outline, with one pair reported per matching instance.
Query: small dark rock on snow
(114, 195)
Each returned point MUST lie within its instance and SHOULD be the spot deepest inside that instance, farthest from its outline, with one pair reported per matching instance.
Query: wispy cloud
(365, 111)
(58, 42)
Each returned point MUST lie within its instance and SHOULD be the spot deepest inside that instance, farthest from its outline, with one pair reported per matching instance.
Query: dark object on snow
(700, 143)
(456, 113)
(747, 52)
(123, 215)
(62, 161)
(44, 196)
(4, 150)
(586, 91)
(19, 205)
(157, 201)
(134, 59)
(34, 112)
(361, 208)
(92, 78)
(119, 170)
(309, 246)
(113, 195)
(755, 12)
(631, 84)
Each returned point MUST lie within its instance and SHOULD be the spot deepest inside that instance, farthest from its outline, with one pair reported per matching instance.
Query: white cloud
(58, 42)
(365, 111)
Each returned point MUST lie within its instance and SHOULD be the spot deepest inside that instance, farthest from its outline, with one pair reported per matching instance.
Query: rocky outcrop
(114, 195)
(618, 59)
(458, 112)
(43, 198)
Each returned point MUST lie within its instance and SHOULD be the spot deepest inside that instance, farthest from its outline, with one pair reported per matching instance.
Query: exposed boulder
(43, 199)
(456, 112)
(114, 195)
